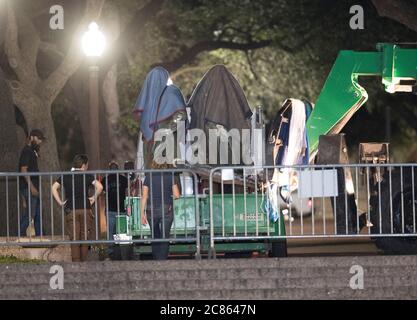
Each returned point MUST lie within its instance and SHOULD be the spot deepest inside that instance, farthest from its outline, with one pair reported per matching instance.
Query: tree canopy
(276, 49)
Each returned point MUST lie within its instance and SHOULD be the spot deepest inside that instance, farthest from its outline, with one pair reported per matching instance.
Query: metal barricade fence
(38, 220)
(332, 201)
(323, 201)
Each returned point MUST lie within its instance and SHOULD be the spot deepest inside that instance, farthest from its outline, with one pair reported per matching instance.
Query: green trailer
(239, 220)
(234, 216)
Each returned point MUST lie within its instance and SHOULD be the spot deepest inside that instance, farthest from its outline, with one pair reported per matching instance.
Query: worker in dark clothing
(158, 192)
(29, 185)
(79, 219)
(115, 186)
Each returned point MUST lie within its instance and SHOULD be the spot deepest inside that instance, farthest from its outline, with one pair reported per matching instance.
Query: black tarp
(218, 98)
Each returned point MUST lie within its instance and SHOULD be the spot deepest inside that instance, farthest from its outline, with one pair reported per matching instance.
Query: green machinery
(233, 215)
(342, 95)
(339, 99)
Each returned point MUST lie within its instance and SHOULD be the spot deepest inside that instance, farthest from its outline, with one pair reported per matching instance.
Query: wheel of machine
(123, 252)
(279, 248)
(395, 245)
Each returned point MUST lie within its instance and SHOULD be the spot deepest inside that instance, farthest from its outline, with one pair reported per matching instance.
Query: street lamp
(93, 44)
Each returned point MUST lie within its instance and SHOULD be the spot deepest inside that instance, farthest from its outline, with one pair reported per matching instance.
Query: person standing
(162, 188)
(79, 219)
(29, 185)
(115, 186)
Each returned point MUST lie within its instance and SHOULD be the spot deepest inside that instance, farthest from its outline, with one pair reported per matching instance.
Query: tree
(113, 142)
(9, 147)
(302, 40)
(269, 45)
(402, 11)
(31, 94)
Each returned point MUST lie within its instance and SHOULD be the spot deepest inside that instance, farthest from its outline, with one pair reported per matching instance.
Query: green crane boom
(342, 95)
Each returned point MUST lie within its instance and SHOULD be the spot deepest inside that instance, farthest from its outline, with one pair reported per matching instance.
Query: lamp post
(93, 44)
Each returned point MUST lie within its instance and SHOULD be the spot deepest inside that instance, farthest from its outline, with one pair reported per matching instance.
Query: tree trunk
(48, 162)
(114, 145)
(121, 148)
(8, 143)
(38, 115)
(9, 149)
(78, 91)
(118, 147)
